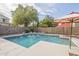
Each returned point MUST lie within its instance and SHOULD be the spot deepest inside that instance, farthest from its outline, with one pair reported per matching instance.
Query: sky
(55, 10)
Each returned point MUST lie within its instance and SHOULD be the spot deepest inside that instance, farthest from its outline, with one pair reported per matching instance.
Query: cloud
(32, 4)
(42, 13)
(11, 6)
(48, 11)
(4, 10)
(46, 8)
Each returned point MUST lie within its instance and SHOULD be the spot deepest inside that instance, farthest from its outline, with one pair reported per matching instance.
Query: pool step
(63, 37)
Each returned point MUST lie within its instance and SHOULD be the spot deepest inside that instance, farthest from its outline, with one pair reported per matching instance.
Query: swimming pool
(28, 40)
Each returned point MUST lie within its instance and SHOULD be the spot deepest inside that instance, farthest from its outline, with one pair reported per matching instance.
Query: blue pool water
(31, 39)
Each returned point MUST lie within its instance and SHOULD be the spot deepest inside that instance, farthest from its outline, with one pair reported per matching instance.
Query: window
(3, 20)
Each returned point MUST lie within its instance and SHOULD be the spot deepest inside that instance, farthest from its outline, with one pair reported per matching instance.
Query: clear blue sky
(56, 9)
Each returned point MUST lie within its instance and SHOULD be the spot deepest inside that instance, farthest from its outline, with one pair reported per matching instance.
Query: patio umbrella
(70, 15)
(70, 18)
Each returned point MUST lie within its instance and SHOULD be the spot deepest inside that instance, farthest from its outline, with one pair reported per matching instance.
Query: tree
(31, 13)
(25, 16)
(47, 22)
(17, 17)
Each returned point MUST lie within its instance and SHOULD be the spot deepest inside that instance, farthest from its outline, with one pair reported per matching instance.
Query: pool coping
(28, 33)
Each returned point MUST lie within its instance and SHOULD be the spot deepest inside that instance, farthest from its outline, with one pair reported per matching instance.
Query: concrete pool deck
(41, 48)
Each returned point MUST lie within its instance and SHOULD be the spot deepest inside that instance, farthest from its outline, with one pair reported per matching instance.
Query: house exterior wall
(76, 24)
(4, 19)
(64, 25)
(68, 24)
(5, 13)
